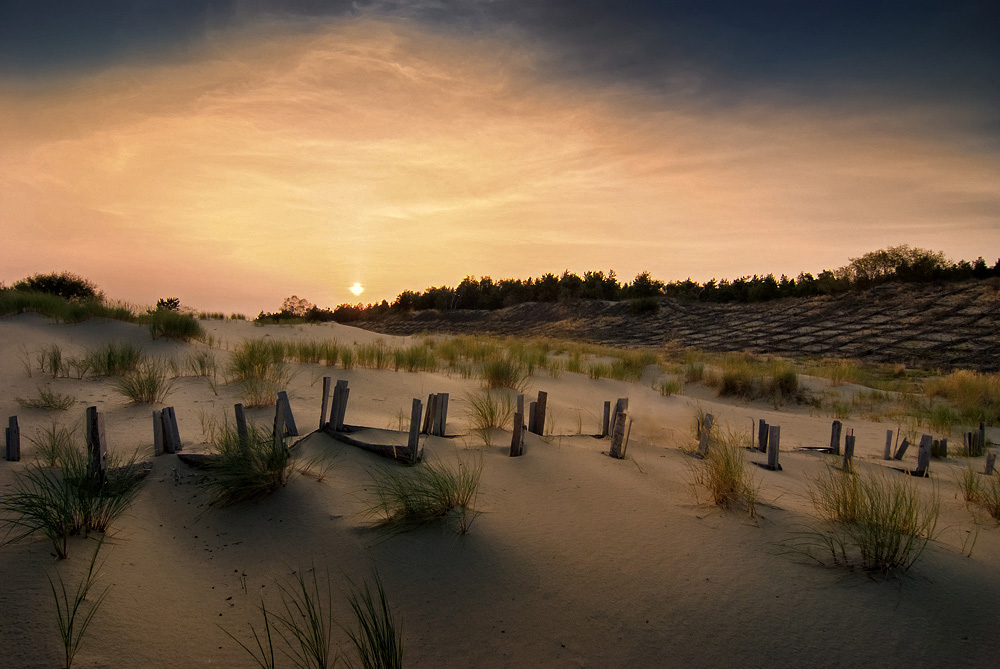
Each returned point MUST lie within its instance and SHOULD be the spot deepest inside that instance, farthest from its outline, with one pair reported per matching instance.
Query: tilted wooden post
(888, 445)
(413, 442)
(97, 448)
(901, 451)
(762, 433)
(848, 452)
(619, 438)
(835, 437)
(606, 420)
(289, 420)
(157, 432)
(345, 394)
(241, 424)
(773, 446)
(706, 431)
(517, 436)
(13, 440)
(327, 382)
(991, 459)
(924, 455)
(532, 408)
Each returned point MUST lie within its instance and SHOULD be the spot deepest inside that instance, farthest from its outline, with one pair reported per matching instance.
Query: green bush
(62, 284)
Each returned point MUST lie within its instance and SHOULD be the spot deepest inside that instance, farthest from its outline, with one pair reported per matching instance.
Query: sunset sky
(233, 153)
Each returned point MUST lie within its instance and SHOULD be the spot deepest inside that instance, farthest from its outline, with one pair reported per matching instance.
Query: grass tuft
(174, 325)
(248, 469)
(725, 474)
(72, 617)
(489, 410)
(47, 400)
(410, 497)
(378, 639)
(147, 384)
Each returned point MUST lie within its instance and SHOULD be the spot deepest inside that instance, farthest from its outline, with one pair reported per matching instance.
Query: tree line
(893, 264)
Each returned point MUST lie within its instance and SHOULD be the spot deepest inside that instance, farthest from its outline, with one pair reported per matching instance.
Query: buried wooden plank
(400, 453)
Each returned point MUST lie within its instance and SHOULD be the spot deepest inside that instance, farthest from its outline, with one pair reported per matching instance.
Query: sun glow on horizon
(357, 288)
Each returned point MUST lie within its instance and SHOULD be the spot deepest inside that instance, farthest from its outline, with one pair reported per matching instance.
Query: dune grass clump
(429, 492)
(375, 355)
(500, 371)
(668, 387)
(47, 399)
(981, 490)
(147, 384)
(74, 612)
(258, 366)
(173, 325)
(694, 371)
(69, 499)
(878, 522)
(50, 360)
(725, 474)
(489, 410)
(201, 362)
(975, 396)
(415, 358)
(115, 359)
(246, 469)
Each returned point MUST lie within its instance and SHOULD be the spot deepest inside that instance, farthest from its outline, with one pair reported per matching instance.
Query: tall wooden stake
(413, 442)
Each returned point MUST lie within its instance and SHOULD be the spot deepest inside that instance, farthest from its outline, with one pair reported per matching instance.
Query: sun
(357, 289)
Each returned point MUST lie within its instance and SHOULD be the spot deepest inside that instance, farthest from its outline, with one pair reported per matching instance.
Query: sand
(577, 559)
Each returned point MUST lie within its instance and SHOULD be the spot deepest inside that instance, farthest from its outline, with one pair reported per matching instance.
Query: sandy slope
(577, 560)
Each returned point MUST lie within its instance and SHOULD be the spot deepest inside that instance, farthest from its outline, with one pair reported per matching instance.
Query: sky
(235, 152)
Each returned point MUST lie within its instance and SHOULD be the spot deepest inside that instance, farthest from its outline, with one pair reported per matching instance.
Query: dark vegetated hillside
(946, 326)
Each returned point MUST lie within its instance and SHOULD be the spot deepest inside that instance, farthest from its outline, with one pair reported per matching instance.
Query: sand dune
(577, 559)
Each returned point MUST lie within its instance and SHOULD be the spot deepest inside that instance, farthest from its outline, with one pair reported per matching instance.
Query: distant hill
(946, 326)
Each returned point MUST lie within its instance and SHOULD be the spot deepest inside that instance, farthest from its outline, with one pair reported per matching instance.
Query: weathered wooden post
(13, 440)
(939, 449)
(532, 411)
(606, 420)
(517, 435)
(620, 406)
(171, 433)
(241, 424)
(762, 433)
(619, 437)
(835, 437)
(338, 411)
(428, 424)
(706, 432)
(441, 421)
(981, 438)
(97, 448)
(888, 445)
(327, 382)
(773, 445)
(848, 451)
(991, 459)
(538, 425)
(414, 438)
(288, 424)
(901, 451)
(157, 432)
(278, 435)
(924, 455)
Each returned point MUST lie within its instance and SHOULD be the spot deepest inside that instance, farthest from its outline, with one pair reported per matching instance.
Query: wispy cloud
(273, 162)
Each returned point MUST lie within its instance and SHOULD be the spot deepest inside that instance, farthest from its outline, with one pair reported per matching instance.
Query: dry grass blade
(71, 616)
